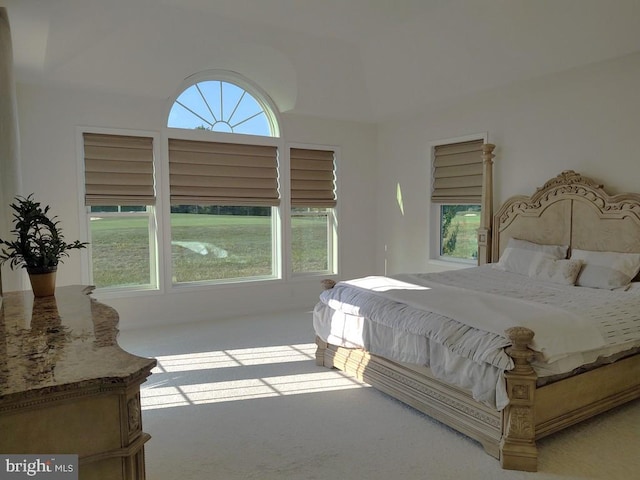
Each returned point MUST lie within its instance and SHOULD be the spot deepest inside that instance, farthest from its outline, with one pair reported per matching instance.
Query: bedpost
(322, 347)
(486, 213)
(518, 449)
(327, 284)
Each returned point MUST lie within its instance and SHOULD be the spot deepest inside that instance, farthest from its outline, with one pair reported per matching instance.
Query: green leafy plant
(39, 244)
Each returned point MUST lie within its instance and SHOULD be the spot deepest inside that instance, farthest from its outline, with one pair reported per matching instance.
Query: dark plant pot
(43, 284)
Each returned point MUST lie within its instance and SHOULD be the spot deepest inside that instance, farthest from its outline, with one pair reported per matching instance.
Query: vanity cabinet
(66, 387)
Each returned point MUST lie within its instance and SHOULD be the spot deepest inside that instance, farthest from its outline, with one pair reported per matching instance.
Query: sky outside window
(219, 106)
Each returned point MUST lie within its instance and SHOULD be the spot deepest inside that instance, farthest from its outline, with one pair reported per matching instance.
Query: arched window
(223, 106)
(225, 172)
(223, 191)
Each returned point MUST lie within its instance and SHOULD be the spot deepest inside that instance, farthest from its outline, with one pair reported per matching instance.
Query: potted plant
(39, 245)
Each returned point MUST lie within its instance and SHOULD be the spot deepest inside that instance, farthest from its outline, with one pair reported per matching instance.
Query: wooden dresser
(66, 387)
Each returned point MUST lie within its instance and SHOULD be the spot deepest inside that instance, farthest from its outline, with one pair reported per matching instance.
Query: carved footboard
(533, 411)
(508, 435)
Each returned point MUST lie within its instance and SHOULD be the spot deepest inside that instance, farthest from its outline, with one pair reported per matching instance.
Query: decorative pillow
(606, 270)
(564, 272)
(521, 255)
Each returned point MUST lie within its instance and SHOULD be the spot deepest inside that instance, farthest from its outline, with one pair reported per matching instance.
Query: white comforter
(573, 325)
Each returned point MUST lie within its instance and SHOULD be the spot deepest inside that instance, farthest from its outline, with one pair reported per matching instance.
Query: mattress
(466, 355)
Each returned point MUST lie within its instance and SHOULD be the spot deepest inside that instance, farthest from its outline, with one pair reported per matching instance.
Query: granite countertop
(60, 343)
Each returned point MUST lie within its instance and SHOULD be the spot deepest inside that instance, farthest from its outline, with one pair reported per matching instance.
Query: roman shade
(457, 173)
(312, 178)
(118, 170)
(214, 173)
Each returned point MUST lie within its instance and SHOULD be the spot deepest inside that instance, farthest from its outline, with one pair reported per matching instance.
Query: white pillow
(564, 272)
(521, 255)
(606, 270)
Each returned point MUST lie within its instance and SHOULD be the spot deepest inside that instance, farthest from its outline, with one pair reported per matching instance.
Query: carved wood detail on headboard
(574, 210)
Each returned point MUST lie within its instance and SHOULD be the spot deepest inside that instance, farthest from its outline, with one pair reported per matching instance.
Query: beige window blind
(312, 178)
(213, 173)
(118, 170)
(457, 173)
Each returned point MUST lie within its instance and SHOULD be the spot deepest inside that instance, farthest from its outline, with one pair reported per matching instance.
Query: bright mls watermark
(50, 467)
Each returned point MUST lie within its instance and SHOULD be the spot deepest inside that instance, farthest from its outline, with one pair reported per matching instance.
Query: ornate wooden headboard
(573, 210)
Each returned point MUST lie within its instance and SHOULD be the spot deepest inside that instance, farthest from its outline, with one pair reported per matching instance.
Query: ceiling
(362, 60)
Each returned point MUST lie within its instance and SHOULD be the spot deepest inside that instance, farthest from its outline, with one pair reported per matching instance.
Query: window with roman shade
(312, 178)
(120, 194)
(457, 173)
(118, 170)
(215, 173)
(313, 216)
(222, 186)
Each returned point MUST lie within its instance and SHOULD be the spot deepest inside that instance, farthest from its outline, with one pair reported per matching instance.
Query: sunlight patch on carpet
(235, 358)
(178, 391)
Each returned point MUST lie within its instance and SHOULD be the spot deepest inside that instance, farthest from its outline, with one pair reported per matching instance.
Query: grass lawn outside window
(203, 247)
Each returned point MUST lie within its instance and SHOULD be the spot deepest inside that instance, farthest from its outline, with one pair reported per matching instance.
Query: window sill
(106, 293)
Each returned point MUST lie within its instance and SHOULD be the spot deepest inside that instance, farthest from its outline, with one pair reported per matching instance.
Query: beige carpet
(243, 399)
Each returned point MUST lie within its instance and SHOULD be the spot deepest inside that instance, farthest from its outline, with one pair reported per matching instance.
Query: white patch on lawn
(203, 248)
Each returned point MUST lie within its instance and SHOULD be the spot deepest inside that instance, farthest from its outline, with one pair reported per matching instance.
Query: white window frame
(155, 221)
(165, 204)
(435, 217)
(150, 215)
(279, 222)
(332, 216)
(160, 221)
(265, 101)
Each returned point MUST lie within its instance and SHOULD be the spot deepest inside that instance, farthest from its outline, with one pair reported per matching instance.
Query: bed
(545, 380)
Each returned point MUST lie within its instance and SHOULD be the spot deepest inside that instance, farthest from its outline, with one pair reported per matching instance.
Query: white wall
(48, 121)
(586, 119)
